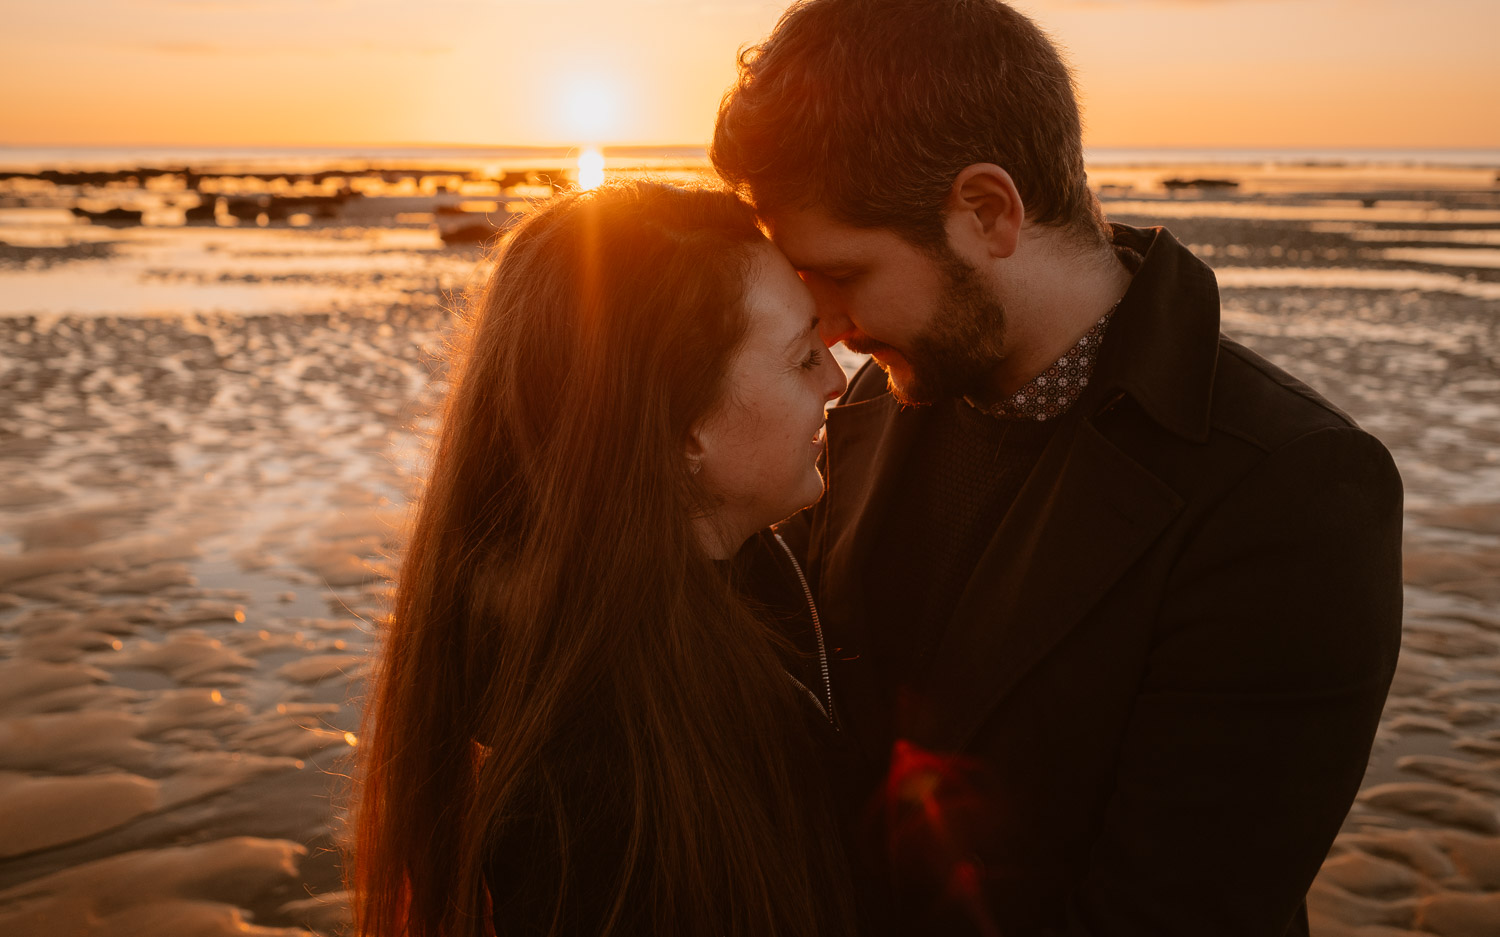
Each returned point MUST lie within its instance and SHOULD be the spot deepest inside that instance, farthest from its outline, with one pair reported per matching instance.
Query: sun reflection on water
(590, 168)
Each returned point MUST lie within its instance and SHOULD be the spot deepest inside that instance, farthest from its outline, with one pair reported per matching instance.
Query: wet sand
(199, 519)
(210, 438)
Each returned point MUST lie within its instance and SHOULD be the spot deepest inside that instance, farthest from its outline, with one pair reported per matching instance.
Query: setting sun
(592, 110)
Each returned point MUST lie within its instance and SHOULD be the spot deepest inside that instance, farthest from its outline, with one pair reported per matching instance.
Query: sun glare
(592, 109)
(590, 168)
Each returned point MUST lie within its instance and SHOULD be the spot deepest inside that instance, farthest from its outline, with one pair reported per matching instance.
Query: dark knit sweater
(956, 490)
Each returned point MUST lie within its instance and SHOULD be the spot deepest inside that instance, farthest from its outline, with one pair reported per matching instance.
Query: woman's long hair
(553, 588)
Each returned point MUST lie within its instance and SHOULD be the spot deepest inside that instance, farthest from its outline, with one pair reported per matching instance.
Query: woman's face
(758, 450)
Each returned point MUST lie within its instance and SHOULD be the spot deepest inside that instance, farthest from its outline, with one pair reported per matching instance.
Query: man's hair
(869, 109)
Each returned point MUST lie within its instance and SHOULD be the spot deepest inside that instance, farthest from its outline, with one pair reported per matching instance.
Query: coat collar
(1087, 512)
(1162, 347)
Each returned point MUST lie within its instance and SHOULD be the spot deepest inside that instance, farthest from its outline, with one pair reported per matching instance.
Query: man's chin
(903, 383)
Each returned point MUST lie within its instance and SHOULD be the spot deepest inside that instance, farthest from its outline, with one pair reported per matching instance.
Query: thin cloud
(230, 4)
(393, 48)
(217, 50)
(186, 48)
(1118, 4)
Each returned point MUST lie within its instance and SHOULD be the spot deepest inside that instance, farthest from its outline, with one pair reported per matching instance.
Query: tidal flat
(211, 433)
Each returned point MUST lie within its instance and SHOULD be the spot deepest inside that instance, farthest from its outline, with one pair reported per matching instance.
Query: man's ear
(984, 211)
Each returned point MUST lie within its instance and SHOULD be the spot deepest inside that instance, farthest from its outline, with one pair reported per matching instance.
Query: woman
(576, 722)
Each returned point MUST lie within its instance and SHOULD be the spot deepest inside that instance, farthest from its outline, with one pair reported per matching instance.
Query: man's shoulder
(1262, 424)
(1261, 404)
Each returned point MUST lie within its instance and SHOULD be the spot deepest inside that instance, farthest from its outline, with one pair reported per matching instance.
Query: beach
(212, 427)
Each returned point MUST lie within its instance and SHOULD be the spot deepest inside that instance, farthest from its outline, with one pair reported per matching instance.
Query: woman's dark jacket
(524, 873)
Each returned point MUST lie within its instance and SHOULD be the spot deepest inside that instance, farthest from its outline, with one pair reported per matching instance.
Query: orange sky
(1236, 73)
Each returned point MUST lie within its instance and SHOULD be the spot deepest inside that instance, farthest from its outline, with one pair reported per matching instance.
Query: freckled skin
(757, 450)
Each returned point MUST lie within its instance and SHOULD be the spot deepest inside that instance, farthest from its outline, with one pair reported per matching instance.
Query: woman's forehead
(779, 305)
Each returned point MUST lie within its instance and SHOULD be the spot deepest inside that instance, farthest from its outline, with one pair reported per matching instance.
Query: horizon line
(1214, 147)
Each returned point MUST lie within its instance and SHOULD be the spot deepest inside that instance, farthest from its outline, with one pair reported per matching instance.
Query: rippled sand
(198, 522)
(210, 437)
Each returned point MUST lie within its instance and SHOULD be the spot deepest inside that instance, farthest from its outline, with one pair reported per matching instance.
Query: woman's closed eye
(813, 359)
(836, 276)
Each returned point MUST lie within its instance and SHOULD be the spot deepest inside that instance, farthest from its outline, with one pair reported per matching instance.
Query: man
(1116, 602)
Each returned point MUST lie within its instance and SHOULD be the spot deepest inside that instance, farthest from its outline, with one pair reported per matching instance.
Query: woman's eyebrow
(812, 326)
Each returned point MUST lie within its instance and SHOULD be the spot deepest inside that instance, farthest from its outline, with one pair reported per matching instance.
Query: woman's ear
(984, 212)
(695, 449)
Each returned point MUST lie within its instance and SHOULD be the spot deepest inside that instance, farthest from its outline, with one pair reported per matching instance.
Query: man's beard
(963, 344)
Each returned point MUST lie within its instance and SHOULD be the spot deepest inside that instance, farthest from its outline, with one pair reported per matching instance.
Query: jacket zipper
(812, 607)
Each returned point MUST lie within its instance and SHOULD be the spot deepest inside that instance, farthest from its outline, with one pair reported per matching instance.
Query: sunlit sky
(1189, 73)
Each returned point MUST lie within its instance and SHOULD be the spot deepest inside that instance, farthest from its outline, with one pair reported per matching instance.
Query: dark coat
(525, 873)
(1156, 698)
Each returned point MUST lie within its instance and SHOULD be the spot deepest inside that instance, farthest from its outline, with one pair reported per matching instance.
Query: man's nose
(833, 325)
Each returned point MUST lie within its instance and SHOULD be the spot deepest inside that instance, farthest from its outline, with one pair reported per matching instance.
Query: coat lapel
(1084, 516)
(867, 443)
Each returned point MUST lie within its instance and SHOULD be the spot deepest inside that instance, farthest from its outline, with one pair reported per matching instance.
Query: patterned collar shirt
(1051, 393)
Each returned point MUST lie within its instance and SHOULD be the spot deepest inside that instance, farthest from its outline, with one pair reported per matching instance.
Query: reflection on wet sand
(210, 435)
(194, 554)
(170, 271)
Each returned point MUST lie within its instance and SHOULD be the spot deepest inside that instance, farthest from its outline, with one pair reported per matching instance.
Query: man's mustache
(863, 345)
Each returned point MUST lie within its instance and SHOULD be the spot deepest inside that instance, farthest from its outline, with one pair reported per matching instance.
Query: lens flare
(930, 808)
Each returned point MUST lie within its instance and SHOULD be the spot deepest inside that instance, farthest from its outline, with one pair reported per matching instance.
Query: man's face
(926, 317)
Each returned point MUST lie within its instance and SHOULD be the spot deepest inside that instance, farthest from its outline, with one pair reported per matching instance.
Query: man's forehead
(809, 238)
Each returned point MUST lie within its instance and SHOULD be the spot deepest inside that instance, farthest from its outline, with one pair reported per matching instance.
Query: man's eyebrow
(812, 326)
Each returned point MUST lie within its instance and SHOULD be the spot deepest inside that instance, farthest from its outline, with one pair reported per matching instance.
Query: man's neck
(1061, 295)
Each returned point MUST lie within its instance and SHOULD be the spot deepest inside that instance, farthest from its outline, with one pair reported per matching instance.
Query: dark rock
(1174, 184)
(113, 217)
